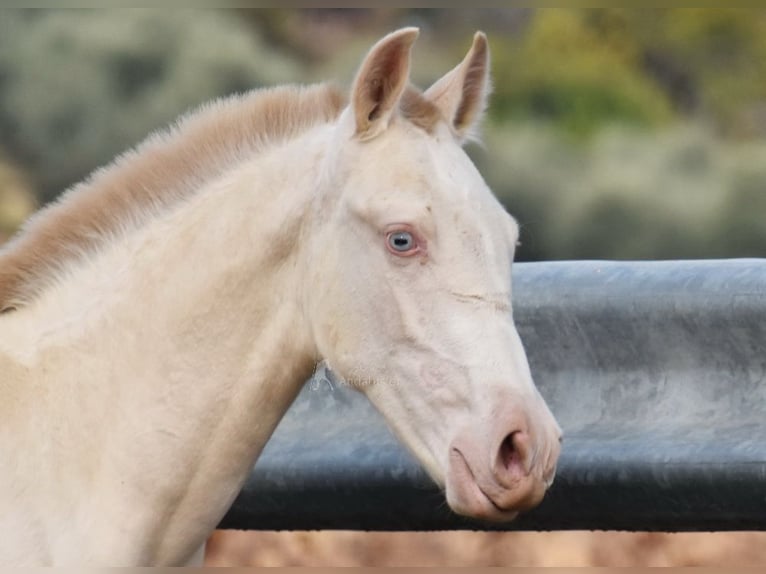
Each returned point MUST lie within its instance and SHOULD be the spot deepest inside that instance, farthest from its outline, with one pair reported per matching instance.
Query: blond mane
(166, 168)
(160, 172)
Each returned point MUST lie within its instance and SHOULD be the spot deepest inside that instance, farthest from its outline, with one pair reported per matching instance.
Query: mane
(162, 171)
(166, 168)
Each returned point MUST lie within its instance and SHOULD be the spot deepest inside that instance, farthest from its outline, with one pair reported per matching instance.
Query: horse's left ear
(461, 95)
(380, 82)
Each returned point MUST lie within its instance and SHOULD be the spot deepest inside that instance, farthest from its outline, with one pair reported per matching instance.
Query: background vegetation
(613, 133)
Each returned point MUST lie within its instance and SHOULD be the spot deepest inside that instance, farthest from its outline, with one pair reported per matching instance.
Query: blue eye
(401, 241)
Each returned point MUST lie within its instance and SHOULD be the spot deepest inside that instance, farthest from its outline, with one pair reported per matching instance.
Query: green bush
(583, 68)
(567, 71)
(628, 194)
(724, 51)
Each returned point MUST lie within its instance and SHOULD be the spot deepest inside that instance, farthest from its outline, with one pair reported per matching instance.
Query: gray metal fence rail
(655, 370)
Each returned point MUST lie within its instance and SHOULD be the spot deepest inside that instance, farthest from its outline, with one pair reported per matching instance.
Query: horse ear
(461, 95)
(380, 82)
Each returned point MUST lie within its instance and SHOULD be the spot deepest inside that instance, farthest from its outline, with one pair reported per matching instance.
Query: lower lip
(493, 508)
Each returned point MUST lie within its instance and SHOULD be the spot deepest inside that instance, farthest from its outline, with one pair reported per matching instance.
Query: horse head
(410, 284)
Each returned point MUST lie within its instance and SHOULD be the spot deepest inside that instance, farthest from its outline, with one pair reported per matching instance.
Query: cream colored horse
(161, 317)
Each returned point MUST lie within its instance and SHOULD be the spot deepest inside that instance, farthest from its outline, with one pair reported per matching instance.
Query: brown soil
(344, 548)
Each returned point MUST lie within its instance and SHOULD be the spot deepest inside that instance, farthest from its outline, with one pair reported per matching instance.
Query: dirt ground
(343, 548)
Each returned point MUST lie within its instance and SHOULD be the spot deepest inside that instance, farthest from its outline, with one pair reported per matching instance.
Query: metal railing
(655, 370)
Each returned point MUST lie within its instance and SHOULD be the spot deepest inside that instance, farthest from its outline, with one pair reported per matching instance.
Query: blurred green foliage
(614, 133)
(627, 194)
(568, 71)
(724, 53)
(16, 199)
(581, 69)
(78, 87)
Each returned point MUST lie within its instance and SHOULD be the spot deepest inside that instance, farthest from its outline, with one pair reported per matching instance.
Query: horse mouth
(467, 496)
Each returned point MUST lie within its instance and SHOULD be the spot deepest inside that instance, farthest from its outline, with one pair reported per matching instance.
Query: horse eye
(401, 241)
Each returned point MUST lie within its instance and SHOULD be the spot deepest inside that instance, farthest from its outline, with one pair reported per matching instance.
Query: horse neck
(180, 348)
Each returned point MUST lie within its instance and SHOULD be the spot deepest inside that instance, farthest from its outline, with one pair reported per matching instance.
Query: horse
(160, 317)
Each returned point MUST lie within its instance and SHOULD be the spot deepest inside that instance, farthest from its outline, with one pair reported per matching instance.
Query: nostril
(508, 454)
(513, 454)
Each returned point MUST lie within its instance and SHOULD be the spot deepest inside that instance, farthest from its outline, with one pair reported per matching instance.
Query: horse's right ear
(380, 82)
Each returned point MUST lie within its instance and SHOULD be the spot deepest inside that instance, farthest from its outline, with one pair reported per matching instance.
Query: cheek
(336, 318)
(350, 320)
(445, 385)
(433, 376)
